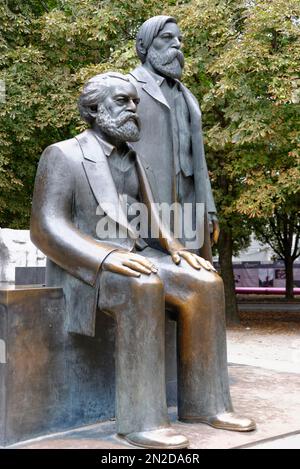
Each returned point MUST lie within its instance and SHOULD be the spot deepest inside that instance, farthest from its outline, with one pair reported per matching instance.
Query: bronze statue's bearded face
(116, 115)
(164, 54)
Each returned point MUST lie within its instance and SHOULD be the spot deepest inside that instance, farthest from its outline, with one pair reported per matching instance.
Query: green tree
(282, 233)
(260, 79)
(47, 50)
(244, 62)
(210, 29)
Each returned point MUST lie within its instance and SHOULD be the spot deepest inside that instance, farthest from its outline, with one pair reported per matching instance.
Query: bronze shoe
(161, 438)
(225, 421)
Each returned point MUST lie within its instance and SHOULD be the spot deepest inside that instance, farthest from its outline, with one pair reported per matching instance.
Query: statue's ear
(93, 111)
(141, 47)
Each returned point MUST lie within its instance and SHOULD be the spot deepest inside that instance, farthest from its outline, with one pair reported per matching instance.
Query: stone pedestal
(51, 380)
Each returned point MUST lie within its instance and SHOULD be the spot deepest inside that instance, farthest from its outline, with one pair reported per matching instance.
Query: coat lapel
(193, 107)
(149, 85)
(100, 179)
(145, 172)
(199, 161)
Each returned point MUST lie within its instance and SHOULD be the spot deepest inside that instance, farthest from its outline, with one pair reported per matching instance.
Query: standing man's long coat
(155, 138)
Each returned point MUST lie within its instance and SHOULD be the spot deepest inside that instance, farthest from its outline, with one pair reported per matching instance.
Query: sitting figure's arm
(54, 233)
(168, 242)
(52, 229)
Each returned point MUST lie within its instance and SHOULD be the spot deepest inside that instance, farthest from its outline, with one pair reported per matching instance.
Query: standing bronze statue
(171, 138)
(79, 183)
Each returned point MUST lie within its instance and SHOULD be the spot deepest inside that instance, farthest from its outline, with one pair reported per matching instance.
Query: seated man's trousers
(138, 306)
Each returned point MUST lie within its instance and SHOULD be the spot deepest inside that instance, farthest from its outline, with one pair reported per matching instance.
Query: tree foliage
(256, 93)
(47, 50)
(245, 63)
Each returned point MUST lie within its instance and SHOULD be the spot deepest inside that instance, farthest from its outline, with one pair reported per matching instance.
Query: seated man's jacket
(72, 181)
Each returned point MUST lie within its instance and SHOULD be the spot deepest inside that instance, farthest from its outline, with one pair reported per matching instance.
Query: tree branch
(266, 240)
(296, 253)
(45, 6)
(277, 233)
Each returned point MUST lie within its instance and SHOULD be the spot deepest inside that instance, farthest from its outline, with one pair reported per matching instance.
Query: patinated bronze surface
(171, 137)
(76, 186)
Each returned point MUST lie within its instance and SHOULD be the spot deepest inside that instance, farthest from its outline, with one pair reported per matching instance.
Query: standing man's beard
(169, 64)
(125, 128)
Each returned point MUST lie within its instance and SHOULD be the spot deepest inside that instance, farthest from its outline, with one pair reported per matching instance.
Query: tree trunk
(225, 259)
(289, 275)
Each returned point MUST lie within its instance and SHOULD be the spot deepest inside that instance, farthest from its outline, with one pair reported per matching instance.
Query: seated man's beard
(169, 64)
(125, 128)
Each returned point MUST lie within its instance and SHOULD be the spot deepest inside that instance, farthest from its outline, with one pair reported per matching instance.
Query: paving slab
(266, 344)
(287, 442)
(272, 398)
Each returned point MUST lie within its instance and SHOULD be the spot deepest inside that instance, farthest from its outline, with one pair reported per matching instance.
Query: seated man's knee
(146, 299)
(205, 279)
(137, 294)
(145, 283)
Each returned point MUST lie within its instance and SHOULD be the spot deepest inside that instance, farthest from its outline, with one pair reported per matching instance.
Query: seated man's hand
(192, 259)
(129, 264)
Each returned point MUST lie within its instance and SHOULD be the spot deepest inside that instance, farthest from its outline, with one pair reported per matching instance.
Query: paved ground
(265, 383)
(287, 442)
(266, 344)
(271, 345)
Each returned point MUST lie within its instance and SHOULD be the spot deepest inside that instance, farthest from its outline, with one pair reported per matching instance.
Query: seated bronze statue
(82, 180)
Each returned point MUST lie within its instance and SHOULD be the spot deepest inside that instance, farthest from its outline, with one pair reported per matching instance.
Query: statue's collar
(150, 84)
(143, 75)
(107, 147)
(158, 78)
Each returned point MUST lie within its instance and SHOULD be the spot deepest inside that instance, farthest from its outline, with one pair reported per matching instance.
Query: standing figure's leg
(138, 306)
